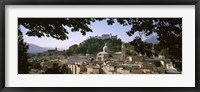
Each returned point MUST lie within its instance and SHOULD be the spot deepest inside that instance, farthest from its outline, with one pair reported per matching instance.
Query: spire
(153, 49)
(123, 50)
(56, 49)
(123, 45)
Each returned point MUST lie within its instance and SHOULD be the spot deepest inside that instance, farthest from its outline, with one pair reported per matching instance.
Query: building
(76, 69)
(123, 50)
(93, 69)
(123, 70)
(129, 58)
(104, 36)
(102, 56)
(77, 59)
(119, 56)
(53, 50)
(107, 69)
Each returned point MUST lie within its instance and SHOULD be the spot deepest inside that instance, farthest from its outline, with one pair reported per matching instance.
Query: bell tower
(123, 50)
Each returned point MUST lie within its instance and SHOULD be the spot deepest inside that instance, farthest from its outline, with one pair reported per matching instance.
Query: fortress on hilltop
(104, 36)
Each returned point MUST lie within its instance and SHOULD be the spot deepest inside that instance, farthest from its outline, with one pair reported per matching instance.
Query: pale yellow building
(93, 70)
(76, 69)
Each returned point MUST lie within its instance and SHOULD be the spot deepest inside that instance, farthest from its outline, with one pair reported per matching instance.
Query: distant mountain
(152, 39)
(36, 49)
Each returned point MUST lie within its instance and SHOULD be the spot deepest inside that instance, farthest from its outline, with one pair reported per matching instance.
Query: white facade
(102, 56)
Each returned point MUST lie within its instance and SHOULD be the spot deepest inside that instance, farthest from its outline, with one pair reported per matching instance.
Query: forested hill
(93, 46)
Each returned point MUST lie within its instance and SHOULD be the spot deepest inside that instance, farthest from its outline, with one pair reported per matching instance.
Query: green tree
(54, 27)
(64, 69)
(57, 69)
(130, 49)
(169, 31)
(54, 70)
(69, 52)
(23, 65)
(72, 50)
(37, 65)
(93, 46)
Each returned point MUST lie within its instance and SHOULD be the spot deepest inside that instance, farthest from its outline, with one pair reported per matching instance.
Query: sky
(98, 27)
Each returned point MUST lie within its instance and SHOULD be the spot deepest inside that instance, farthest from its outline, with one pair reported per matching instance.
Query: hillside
(93, 46)
(36, 49)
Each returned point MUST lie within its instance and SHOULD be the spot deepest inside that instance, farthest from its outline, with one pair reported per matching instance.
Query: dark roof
(72, 60)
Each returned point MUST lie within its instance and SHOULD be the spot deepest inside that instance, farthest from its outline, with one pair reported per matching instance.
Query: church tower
(153, 51)
(123, 50)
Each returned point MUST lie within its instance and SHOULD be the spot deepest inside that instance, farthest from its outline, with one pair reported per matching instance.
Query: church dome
(105, 49)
